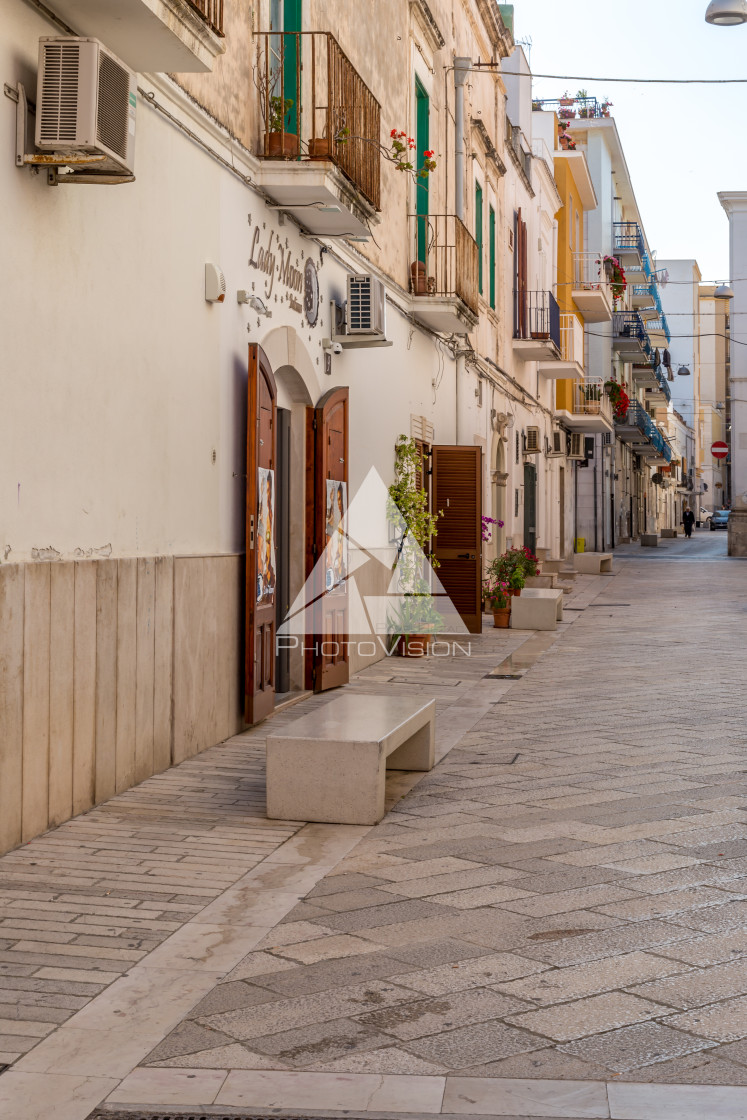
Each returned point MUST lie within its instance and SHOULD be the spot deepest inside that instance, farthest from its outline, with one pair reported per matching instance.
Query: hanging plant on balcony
(618, 396)
(398, 153)
(605, 107)
(567, 143)
(615, 274)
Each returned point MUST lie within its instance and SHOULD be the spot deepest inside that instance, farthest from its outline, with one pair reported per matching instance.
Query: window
(569, 219)
(491, 255)
(478, 233)
(578, 232)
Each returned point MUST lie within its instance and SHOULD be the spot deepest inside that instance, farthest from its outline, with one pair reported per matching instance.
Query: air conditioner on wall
(366, 311)
(577, 446)
(532, 441)
(558, 444)
(85, 105)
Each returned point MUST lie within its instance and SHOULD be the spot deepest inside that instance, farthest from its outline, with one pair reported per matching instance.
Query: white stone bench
(593, 563)
(537, 609)
(331, 764)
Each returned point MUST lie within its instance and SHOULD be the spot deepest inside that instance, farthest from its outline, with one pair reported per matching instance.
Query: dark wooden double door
(326, 660)
(456, 493)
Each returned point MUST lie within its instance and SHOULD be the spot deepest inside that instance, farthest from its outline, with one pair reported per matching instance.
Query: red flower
(393, 133)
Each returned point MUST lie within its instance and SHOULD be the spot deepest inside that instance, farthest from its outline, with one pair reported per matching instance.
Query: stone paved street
(552, 922)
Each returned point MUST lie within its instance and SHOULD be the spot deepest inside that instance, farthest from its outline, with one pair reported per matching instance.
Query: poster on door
(266, 535)
(337, 541)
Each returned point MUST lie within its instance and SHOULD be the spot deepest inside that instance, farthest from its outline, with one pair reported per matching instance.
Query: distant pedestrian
(688, 520)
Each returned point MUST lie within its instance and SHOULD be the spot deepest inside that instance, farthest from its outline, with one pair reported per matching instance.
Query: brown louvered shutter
(457, 491)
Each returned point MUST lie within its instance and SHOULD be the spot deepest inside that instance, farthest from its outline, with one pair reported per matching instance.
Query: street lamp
(726, 13)
(724, 291)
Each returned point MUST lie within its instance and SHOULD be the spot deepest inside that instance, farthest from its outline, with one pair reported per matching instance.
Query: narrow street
(550, 923)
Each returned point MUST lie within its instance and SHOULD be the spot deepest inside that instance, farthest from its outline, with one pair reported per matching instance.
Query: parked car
(718, 520)
(705, 513)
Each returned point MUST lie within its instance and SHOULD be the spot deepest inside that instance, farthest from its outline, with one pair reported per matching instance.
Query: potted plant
(619, 398)
(585, 110)
(416, 620)
(320, 148)
(566, 99)
(615, 274)
(279, 143)
(498, 598)
(605, 107)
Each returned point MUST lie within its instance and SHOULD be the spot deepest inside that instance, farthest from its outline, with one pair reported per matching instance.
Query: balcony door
(530, 506)
(422, 141)
(286, 18)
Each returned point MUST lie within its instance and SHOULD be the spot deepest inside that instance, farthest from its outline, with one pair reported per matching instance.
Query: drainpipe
(461, 366)
(461, 69)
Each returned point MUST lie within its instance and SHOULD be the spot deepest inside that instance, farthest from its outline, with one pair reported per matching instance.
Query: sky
(683, 143)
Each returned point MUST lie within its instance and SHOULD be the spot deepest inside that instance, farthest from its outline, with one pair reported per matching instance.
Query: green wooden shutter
(292, 22)
(478, 233)
(422, 140)
(491, 255)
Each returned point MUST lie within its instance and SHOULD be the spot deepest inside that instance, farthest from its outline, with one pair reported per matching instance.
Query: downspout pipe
(462, 68)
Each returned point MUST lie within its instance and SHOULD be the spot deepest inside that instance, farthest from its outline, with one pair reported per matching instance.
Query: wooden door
(261, 513)
(457, 490)
(327, 652)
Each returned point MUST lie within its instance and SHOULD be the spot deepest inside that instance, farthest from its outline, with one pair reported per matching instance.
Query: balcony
(444, 273)
(569, 108)
(638, 429)
(629, 336)
(630, 248)
(591, 290)
(642, 295)
(537, 327)
(658, 331)
(570, 362)
(659, 392)
(321, 129)
(151, 36)
(583, 406)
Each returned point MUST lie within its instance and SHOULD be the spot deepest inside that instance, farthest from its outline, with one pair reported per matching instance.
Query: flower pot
(567, 100)
(414, 645)
(320, 148)
(501, 617)
(515, 591)
(418, 280)
(281, 145)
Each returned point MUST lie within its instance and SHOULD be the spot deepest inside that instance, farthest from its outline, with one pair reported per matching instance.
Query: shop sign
(277, 264)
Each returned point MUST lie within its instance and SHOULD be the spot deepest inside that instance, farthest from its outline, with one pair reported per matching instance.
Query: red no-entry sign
(719, 450)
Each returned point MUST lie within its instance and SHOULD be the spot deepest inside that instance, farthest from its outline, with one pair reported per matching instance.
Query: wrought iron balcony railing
(211, 11)
(568, 108)
(445, 259)
(315, 106)
(537, 316)
(629, 324)
(629, 238)
(590, 399)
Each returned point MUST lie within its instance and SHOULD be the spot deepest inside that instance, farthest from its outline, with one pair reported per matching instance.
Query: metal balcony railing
(568, 108)
(590, 399)
(211, 11)
(315, 106)
(590, 273)
(571, 339)
(661, 378)
(537, 316)
(629, 324)
(445, 259)
(629, 237)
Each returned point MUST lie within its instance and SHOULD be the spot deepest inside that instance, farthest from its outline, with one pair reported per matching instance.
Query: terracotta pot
(418, 279)
(414, 645)
(281, 145)
(319, 148)
(501, 616)
(515, 591)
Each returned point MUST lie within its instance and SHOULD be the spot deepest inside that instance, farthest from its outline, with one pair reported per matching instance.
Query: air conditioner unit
(85, 104)
(558, 444)
(532, 441)
(366, 311)
(577, 446)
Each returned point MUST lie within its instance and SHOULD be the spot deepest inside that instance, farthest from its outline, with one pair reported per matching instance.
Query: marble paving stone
(629, 1048)
(564, 901)
(232, 1056)
(335, 1092)
(476, 973)
(325, 976)
(287, 1014)
(607, 943)
(325, 949)
(722, 1022)
(478, 1096)
(676, 1102)
(387, 1059)
(423, 869)
(702, 1068)
(543, 1065)
(32, 1096)
(715, 919)
(259, 964)
(164, 1087)
(421, 1017)
(319, 1042)
(697, 988)
(589, 979)
(292, 933)
(435, 953)
(478, 896)
(188, 1038)
(479, 1043)
(650, 865)
(666, 905)
(592, 1015)
(435, 884)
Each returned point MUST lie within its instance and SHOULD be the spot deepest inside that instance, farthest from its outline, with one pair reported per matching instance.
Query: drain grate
(109, 1114)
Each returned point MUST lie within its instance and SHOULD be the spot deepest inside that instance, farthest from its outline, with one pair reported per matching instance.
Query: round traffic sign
(719, 449)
